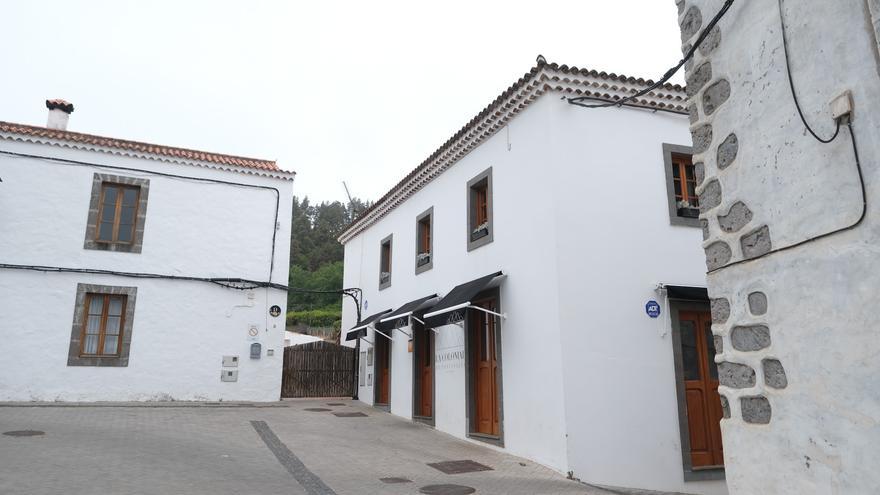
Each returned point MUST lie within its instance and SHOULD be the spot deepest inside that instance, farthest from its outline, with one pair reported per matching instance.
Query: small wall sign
(652, 309)
(275, 310)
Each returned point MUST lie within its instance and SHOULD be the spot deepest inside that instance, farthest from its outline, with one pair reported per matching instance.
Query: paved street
(235, 449)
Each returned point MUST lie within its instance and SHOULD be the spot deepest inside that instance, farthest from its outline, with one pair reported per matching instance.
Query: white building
(563, 220)
(102, 240)
(799, 273)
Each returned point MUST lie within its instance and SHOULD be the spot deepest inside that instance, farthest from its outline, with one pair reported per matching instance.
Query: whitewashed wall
(819, 433)
(614, 245)
(181, 330)
(532, 383)
(582, 229)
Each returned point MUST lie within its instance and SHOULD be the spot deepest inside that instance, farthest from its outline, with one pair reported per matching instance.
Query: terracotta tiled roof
(59, 104)
(543, 77)
(39, 134)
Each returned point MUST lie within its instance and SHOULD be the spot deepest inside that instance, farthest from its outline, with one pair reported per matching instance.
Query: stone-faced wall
(796, 330)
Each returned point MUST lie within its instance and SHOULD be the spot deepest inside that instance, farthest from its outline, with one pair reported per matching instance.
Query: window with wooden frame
(480, 229)
(682, 179)
(385, 262)
(117, 213)
(424, 241)
(102, 325)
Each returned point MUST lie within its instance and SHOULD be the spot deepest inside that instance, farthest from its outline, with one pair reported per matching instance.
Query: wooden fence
(318, 369)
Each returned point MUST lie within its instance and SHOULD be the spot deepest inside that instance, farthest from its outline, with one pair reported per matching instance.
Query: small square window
(681, 186)
(480, 228)
(385, 253)
(424, 241)
(117, 213)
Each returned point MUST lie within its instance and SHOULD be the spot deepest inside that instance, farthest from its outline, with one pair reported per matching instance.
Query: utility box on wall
(256, 350)
(229, 376)
(230, 361)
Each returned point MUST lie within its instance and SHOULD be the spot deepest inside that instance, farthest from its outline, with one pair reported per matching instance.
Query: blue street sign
(652, 308)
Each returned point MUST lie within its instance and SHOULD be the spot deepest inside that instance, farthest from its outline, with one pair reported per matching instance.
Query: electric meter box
(229, 376)
(230, 361)
(256, 350)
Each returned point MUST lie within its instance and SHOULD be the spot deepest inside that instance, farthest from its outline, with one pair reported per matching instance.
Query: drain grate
(392, 481)
(317, 409)
(335, 404)
(446, 490)
(24, 433)
(459, 467)
(350, 414)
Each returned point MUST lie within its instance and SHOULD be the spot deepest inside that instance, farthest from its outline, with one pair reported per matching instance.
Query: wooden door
(700, 376)
(382, 369)
(485, 372)
(426, 374)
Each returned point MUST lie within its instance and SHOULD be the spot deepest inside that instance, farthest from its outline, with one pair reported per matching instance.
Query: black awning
(360, 330)
(451, 309)
(400, 317)
(688, 293)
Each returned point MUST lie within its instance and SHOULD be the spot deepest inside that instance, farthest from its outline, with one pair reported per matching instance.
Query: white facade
(581, 228)
(817, 428)
(181, 330)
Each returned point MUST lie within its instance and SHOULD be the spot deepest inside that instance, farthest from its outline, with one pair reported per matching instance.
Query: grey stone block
(737, 217)
(710, 196)
(718, 343)
(720, 309)
(755, 410)
(711, 42)
(702, 137)
(757, 303)
(727, 151)
(735, 375)
(750, 338)
(718, 254)
(715, 95)
(756, 243)
(691, 23)
(725, 407)
(699, 172)
(774, 373)
(698, 78)
(693, 113)
(704, 225)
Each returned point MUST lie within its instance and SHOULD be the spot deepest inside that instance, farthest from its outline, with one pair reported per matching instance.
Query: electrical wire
(169, 175)
(669, 73)
(855, 150)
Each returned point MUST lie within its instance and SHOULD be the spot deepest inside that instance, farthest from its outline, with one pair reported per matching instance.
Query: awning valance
(689, 293)
(400, 317)
(360, 330)
(453, 307)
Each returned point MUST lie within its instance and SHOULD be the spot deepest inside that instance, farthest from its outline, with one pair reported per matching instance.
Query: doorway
(698, 382)
(484, 360)
(382, 373)
(423, 384)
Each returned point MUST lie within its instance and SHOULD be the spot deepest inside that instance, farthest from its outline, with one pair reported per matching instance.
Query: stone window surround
(390, 240)
(486, 176)
(137, 241)
(690, 474)
(430, 264)
(668, 151)
(73, 356)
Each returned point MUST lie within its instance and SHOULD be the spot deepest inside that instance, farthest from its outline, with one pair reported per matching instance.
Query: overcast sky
(360, 91)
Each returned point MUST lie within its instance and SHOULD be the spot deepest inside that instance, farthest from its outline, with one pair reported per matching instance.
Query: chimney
(59, 112)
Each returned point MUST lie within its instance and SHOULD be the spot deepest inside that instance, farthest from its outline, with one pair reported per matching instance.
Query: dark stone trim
(690, 474)
(430, 264)
(137, 242)
(390, 240)
(674, 219)
(73, 357)
(312, 484)
(494, 293)
(487, 238)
